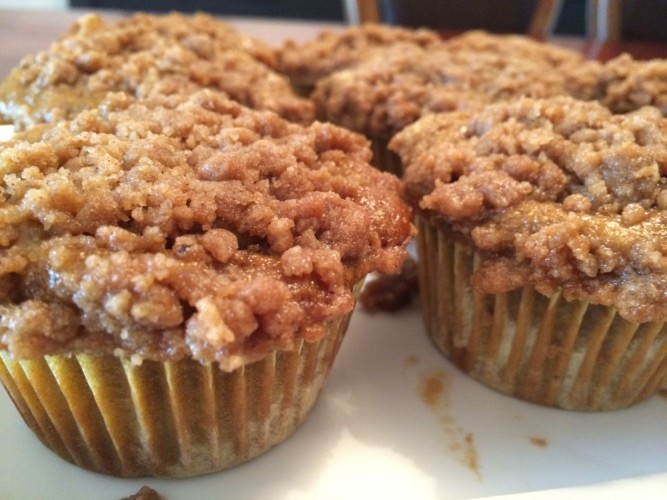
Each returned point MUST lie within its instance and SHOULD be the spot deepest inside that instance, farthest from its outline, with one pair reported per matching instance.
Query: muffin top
(334, 50)
(524, 66)
(187, 226)
(555, 193)
(384, 94)
(144, 55)
(517, 45)
(630, 84)
(387, 92)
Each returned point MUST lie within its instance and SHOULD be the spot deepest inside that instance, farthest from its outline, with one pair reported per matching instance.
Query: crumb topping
(630, 84)
(187, 226)
(145, 55)
(385, 93)
(335, 50)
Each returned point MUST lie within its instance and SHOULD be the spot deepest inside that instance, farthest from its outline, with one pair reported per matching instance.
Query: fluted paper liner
(567, 354)
(171, 419)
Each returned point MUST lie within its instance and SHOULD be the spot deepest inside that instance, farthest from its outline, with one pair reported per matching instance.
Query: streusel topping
(630, 84)
(333, 50)
(145, 55)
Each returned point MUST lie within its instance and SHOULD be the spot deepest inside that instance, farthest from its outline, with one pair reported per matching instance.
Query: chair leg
(603, 19)
(545, 17)
(362, 11)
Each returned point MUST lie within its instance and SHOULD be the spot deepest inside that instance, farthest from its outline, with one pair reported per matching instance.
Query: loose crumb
(145, 493)
(538, 441)
(388, 293)
(434, 392)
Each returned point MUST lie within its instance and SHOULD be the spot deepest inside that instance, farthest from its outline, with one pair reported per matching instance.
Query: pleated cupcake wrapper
(566, 354)
(170, 419)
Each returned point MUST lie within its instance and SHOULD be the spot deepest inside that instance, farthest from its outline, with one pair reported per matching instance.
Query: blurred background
(571, 20)
(642, 19)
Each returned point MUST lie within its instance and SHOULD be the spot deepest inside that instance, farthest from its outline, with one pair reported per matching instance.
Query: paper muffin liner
(171, 419)
(546, 350)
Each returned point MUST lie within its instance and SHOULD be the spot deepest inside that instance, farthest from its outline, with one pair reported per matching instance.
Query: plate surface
(395, 420)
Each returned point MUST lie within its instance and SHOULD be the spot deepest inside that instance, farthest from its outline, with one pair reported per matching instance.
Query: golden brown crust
(145, 55)
(187, 226)
(556, 193)
(333, 50)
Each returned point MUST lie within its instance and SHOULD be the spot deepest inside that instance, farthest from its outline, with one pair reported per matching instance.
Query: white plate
(5, 132)
(373, 435)
(376, 433)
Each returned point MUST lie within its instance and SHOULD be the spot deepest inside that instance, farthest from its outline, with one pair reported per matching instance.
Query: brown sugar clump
(187, 226)
(145, 55)
(555, 194)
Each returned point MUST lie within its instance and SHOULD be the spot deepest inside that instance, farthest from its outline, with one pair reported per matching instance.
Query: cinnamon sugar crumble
(146, 55)
(630, 84)
(555, 193)
(187, 226)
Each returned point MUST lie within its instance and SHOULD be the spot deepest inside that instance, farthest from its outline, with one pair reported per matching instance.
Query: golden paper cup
(171, 419)
(546, 350)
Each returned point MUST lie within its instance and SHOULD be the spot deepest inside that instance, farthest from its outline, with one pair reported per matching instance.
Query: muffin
(380, 96)
(542, 258)
(630, 84)
(177, 274)
(332, 51)
(145, 55)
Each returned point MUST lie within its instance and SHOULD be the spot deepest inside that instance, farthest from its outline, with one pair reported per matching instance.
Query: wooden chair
(616, 20)
(539, 22)
(603, 19)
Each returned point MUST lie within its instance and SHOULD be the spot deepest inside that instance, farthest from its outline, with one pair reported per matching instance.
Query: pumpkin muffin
(543, 262)
(145, 55)
(177, 274)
